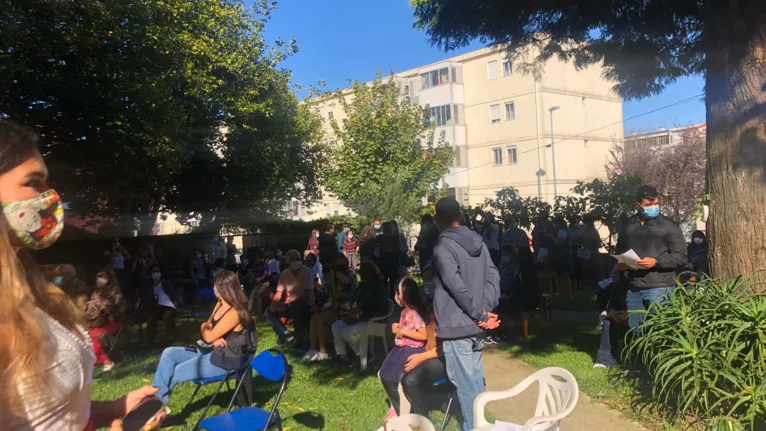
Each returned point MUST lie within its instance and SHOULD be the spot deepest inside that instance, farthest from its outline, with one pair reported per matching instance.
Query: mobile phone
(191, 347)
(146, 416)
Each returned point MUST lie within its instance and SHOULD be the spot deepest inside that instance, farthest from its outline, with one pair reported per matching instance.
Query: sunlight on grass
(318, 396)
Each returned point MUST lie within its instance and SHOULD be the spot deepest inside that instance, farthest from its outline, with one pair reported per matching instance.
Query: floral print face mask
(37, 222)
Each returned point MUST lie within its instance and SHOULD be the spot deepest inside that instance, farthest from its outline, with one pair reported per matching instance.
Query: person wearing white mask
(104, 313)
(156, 304)
(294, 298)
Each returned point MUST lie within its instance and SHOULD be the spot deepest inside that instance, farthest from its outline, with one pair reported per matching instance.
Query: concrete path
(501, 371)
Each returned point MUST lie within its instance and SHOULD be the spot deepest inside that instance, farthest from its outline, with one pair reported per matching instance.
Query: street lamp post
(553, 151)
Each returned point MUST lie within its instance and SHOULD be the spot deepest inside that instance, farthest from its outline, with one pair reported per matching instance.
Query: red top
(349, 246)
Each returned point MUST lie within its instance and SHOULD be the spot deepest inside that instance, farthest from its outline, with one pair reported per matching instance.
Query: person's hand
(413, 361)
(492, 322)
(219, 343)
(395, 328)
(116, 425)
(622, 266)
(647, 262)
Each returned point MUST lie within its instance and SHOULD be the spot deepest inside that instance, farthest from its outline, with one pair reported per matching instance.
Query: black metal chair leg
(194, 394)
(204, 412)
(446, 415)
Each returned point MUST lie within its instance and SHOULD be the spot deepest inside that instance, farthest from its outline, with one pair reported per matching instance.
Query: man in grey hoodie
(466, 290)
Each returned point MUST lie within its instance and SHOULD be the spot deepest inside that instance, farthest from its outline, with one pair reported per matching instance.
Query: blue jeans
(297, 310)
(641, 300)
(466, 372)
(179, 365)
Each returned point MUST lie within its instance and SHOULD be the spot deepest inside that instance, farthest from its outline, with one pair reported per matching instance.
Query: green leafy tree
(385, 158)
(610, 201)
(508, 202)
(644, 46)
(132, 97)
(570, 206)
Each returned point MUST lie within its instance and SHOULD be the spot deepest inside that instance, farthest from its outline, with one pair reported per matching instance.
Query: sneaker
(109, 367)
(597, 365)
(489, 340)
(320, 357)
(287, 339)
(310, 354)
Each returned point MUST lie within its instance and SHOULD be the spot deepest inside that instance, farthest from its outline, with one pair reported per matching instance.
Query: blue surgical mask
(513, 225)
(377, 227)
(156, 275)
(58, 281)
(278, 255)
(651, 212)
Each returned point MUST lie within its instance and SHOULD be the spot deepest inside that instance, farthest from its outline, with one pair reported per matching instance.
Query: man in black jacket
(659, 243)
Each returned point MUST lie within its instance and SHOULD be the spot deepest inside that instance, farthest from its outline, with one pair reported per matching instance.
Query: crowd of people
(471, 268)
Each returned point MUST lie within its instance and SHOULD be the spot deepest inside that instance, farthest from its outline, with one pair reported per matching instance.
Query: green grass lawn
(574, 347)
(322, 396)
(582, 300)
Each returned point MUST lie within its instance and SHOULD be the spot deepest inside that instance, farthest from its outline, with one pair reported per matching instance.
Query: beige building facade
(499, 123)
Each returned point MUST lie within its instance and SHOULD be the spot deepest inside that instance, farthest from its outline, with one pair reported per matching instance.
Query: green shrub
(705, 350)
(723, 423)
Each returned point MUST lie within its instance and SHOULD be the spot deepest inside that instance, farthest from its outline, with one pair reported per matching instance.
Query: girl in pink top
(410, 332)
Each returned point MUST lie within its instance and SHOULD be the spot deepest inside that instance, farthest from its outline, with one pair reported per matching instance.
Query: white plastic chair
(556, 399)
(403, 423)
(376, 327)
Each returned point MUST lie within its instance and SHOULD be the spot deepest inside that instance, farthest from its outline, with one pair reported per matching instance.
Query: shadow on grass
(310, 420)
(547, 338)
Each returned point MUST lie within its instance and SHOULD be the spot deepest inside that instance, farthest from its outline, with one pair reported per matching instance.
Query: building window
(441, 115)
(330, 115)
(295, 208)
(507, 68)
(511, 155)
(497, 156)
(434, 78)
(492, 70)
(494, 113)
(510, 111)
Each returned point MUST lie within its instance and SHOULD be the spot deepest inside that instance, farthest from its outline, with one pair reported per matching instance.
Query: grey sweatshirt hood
(466, 238)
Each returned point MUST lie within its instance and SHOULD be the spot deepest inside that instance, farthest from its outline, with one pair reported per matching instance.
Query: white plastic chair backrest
(403, 423)
(382, 318)
(556, 398)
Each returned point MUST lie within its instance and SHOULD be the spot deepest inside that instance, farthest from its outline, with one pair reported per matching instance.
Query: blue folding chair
(271, 365)
(223, 378)
(446, 383)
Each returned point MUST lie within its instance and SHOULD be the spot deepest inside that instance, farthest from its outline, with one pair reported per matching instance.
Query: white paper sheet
(628, 258)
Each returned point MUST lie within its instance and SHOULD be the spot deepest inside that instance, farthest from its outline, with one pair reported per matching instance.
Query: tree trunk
(735, 38)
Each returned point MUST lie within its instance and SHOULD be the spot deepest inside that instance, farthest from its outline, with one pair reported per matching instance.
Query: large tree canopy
(385, 159)
(151, 106)
(644, 46)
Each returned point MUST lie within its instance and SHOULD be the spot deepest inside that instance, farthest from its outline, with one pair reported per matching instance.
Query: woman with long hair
(46, 359)
(226, 331)
(104, 313)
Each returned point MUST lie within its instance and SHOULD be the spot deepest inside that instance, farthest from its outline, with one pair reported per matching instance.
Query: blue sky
(341, 40)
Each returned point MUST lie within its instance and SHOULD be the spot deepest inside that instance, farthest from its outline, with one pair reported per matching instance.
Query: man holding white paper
(658, 244)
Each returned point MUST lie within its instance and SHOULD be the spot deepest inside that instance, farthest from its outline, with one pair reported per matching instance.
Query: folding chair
(446, 383)
(376, 327)
(271, 365)
(223, 378)
(113, 343)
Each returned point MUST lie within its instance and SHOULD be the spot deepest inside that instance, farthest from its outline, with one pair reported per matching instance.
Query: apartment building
(664, 137)
(499, 123)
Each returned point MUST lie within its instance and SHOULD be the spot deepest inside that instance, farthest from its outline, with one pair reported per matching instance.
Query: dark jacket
(328, 249)
(660, 238)
(466, 283)
(372, 299)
